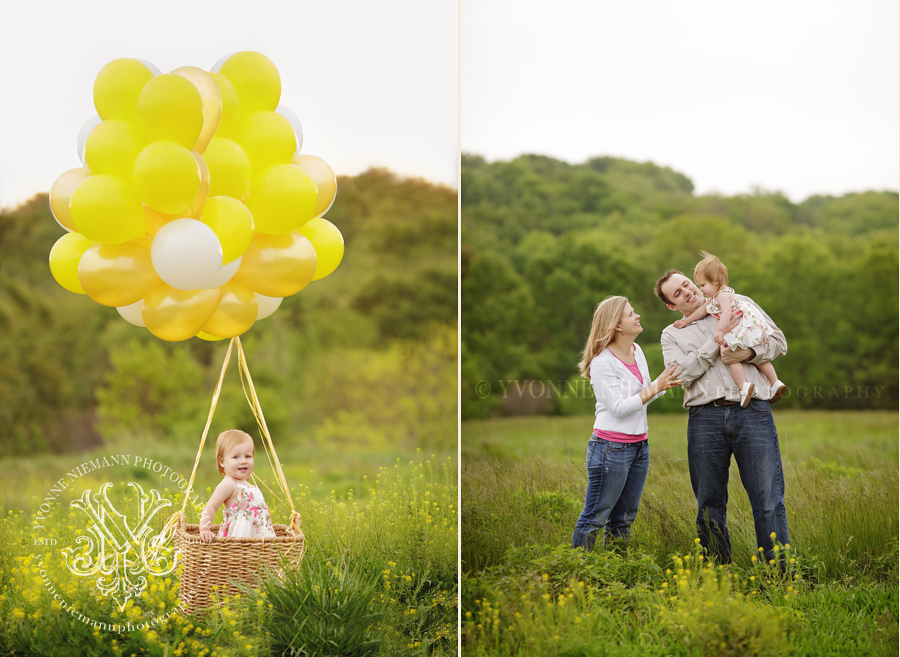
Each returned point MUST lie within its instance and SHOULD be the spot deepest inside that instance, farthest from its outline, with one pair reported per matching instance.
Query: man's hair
(658, 287)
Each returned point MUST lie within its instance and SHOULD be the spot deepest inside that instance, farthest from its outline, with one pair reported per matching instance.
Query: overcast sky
(797, 96)
(373, 83)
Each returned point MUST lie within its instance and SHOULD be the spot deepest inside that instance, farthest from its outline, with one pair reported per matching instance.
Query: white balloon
(226, 273)
(266, 305)
(152, 68)
(287, 113)
(186, 254)
(132, 313)
(83, 135)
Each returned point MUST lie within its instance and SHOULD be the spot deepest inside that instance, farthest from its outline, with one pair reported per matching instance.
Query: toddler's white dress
(752, 331)
(248, 515)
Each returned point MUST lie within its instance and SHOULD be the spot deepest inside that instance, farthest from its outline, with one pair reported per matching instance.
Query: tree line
(544, 241)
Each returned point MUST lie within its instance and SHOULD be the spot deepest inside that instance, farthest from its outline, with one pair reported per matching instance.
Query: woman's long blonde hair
(607, 316)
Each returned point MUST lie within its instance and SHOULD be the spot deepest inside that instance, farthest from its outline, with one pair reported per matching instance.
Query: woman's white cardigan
(619, 407)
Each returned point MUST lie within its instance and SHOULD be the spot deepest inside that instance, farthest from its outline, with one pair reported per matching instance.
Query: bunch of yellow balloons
(194, 213)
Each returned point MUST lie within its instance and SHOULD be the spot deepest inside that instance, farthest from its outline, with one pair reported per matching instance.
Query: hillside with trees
(544, 241)
(367, 355)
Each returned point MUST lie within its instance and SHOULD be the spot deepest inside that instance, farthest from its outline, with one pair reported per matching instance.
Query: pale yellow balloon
(232, 223)
(212, 103)
(117, 274)
(236, 312)
(328, 243)
(107, 209)
(197, 206)
(170, 109)
(64, 258)
(267, 137)
(172, 314)
(167, 176)
(155, 220)
(117, 88)
(61, 194)
(231, 106)
(278, 265)
(282, 198)
(323, 175)
(255, 80)
(112, 147)
(229, 168)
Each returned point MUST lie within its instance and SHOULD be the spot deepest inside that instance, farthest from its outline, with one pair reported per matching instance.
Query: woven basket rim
(191, 532)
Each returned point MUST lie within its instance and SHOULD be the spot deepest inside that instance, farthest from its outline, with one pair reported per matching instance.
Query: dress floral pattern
(248, 515)
(752, 331)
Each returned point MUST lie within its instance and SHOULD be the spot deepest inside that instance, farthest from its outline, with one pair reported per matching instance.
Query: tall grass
(520, 507)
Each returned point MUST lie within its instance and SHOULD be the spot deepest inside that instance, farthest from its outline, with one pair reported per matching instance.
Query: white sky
(373, 83)
(797, 96)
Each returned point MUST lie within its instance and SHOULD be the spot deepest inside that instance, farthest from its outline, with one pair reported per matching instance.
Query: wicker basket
(223, 561)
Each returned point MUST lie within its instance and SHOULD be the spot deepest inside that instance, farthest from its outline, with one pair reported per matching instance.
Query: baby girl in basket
(246, 513)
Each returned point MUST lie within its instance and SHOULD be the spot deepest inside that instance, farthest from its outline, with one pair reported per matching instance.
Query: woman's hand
(667, 380)
(206, 536)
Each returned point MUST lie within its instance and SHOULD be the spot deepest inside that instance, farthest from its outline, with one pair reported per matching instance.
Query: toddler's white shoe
(746, 393)
(778, 390)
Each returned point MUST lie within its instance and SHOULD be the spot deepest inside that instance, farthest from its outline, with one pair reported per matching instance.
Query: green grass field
(526, 593)
(379, 576)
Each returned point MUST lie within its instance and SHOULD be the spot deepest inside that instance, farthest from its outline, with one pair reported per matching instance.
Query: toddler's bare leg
(737, 371)
(768, 370)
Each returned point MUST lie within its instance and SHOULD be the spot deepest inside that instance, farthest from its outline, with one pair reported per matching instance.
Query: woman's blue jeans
(714, 434)
(616, 476)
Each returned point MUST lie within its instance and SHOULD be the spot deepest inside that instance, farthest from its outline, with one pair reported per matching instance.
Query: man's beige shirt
(705, 376)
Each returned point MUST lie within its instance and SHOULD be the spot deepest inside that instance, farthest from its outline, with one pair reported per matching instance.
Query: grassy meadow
(379, 576)
(524, 592)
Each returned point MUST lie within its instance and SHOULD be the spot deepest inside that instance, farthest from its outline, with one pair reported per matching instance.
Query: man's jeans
(616, 476)
(714, 434)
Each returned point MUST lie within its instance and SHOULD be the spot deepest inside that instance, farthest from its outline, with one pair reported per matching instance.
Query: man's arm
(693, 364)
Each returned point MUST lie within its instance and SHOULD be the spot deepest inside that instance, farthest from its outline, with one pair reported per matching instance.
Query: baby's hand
(719, 338)
(680, 324)
(206, 536)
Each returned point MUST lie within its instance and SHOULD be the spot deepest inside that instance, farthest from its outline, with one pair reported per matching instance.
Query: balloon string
(253, 400)
(173, 519)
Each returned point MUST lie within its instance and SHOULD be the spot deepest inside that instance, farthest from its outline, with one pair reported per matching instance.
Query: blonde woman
(618, 456)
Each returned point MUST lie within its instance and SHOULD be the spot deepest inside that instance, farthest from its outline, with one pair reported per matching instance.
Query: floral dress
(248, 515)
(752, 331)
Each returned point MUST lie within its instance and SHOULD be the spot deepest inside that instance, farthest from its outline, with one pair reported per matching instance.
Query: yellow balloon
(212, 103)
(112, 146)
(64, 258)
(208, 337)
(231, 106)
(232, 223)
(167, 177)
(255, 80)
(196, 208)
(229, 168)
(106, 209)
(278, 265)
(267, 137)
(117, 88)
(282, 198)
(61, 194)
(170, 109)
(172, 314)
(155, 220)
(328, 243)
(236, 312)
(118, 274)
(323, 175)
